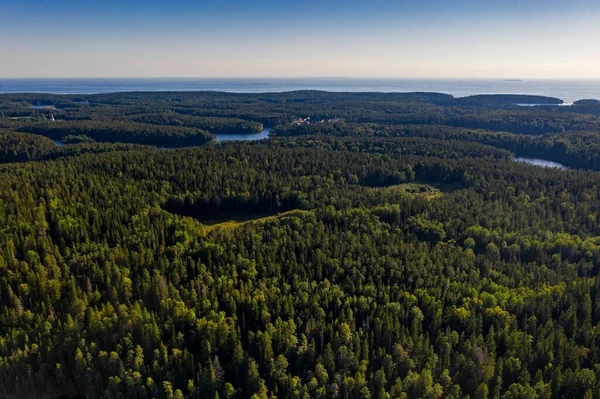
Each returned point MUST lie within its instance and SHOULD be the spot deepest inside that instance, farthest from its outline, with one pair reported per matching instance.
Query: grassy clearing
(427, 190)
(232, 223)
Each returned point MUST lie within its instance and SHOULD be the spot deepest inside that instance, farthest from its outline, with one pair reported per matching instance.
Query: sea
(568, 90)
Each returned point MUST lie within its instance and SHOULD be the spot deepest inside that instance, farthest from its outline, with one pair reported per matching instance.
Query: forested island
(377, 245)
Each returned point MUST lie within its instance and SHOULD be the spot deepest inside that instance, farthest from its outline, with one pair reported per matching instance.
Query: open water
(568, 90)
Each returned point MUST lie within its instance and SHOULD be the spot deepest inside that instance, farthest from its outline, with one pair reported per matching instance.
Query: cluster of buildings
(301, 121)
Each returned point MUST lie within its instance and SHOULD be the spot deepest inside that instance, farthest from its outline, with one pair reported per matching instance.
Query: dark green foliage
(76, 139)
(577, 149)
(124, 132)
(211, 124)
(508, 99)
(17, 147)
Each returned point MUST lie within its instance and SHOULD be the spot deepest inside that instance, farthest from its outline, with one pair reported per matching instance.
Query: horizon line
(299, 77)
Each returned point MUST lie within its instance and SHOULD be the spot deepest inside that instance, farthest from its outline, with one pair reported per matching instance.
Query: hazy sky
(284, 38)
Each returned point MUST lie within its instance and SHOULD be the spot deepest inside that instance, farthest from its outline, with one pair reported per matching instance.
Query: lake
(42, 107)
(568, 90)
(541, 162)
(244, 137)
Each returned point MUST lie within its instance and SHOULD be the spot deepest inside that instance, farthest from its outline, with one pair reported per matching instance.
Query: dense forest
(372, 247)
(549, 130)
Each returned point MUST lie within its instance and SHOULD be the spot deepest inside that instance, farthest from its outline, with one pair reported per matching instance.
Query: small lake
(244, 137)
(42, 107)
(541, 162)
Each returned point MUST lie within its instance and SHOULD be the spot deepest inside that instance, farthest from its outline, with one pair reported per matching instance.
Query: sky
(309, 38)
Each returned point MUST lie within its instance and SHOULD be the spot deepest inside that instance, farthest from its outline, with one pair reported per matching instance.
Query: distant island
(499, 99)
(587, 101)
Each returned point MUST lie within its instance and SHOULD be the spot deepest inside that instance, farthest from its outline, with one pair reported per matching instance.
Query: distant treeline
(561, 133)
(240, 113)
(211, 124)
(124, 132)
(577, 149)
(18, 147)
(22, 147)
